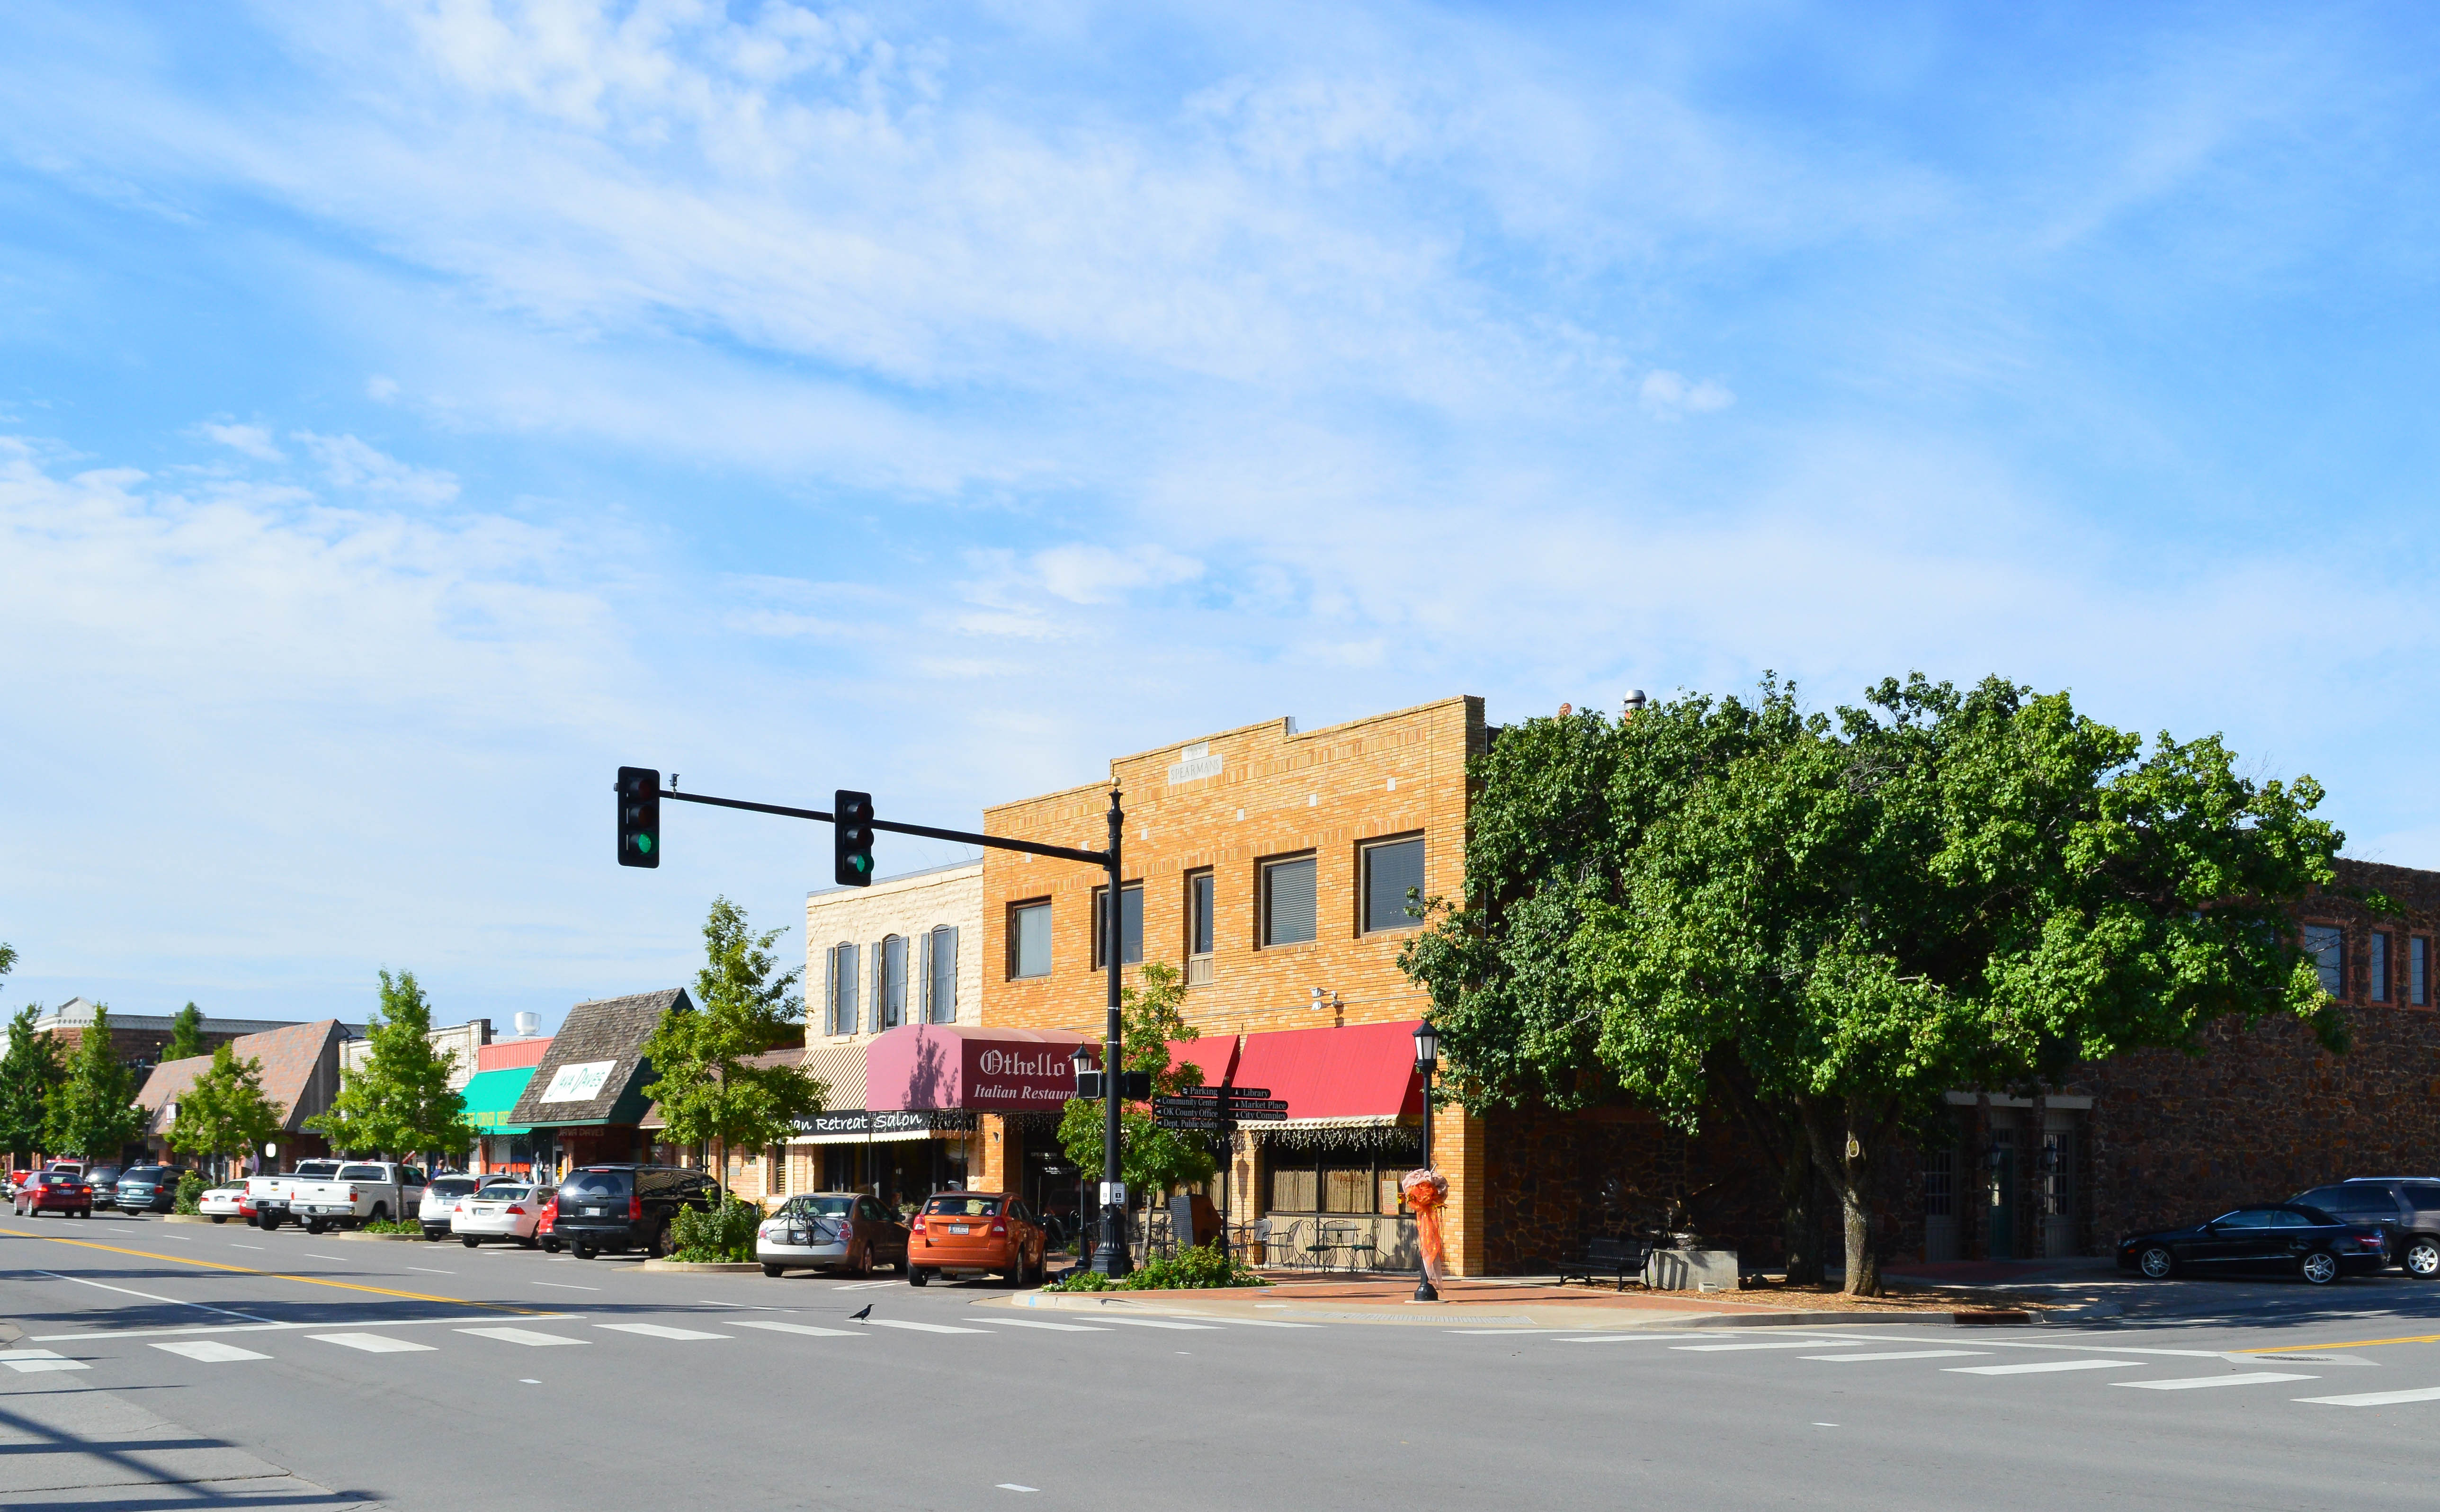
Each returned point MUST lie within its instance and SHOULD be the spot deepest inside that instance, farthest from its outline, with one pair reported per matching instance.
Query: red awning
(1214, 1056)
(1364, 1073)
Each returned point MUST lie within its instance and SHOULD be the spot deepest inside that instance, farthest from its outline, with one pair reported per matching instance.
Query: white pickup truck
(268, 1193)
(358, 1192)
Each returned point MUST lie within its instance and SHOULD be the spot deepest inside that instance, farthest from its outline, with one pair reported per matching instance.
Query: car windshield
(361, 1173)
(143, 1173)
(315, 1168)
(819, 1207)
(449, 1186)
(963, 1207)
(594, 1184)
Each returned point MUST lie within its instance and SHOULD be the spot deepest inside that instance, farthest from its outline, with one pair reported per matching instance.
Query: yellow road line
(274, 1275)
(2360, 1344)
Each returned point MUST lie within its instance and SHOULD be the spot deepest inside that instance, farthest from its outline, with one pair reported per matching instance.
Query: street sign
(1234, 1092)
(1259, 1115)
(1245, 1105)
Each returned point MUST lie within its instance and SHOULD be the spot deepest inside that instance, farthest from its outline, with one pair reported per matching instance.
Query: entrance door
(2003, 1200)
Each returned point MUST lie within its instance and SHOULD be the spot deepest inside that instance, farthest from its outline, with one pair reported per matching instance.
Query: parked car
(222, 1203)
(104, 1181)
(18, 1178)
(358, 1193)
(269, 1193)
(148, 1189)
(74, 1168)
(547, 1231)
(440, 1195)
(2289, 1236)
(964, 1234)
(55, 1192)
(2405, 1209)
(844, 1230)
(500, 1211)
(627, 1207)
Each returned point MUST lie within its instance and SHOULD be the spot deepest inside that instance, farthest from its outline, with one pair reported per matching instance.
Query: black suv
(2405, 1209)
(627, 1207)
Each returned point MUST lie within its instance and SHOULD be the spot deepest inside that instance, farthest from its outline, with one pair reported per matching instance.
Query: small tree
(95, 1114)
(400, 1103)
(225, 1112)
(707, 1089)
(1151, 1158)
(186, 1035)
(30, 1072)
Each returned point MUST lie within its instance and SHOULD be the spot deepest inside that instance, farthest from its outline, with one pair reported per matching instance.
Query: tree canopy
(702, 1055)
(1151, 1158)
(399, 1101)
(225, 1112)
(93, 1114)
(1843, 916)
(186, 1035)
(30, 1071)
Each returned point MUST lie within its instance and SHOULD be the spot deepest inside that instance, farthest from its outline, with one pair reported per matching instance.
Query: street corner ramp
(65, 1446)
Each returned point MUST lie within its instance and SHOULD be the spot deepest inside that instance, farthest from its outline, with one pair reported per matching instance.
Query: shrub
(393, 1225)
(191, 1187)
(1193, 1268)
(708, 1236)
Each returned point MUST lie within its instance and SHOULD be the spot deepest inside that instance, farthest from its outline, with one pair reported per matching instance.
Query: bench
(1619, 1258)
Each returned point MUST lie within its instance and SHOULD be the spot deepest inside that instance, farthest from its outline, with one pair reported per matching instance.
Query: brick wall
(907, 906)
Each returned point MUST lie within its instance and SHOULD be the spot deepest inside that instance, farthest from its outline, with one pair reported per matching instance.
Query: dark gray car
(147, 1188)
(2405, 1209)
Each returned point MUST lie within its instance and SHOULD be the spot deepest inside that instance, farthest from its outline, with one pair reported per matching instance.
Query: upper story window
(1287, 901)
(1028, 939)
(1393, 882)
(1200, 892)
(2379, 961)
(940, 975)
(889, 1008)
(2327, 945)
(2419, 971)
(842, 989)
(1130, 926)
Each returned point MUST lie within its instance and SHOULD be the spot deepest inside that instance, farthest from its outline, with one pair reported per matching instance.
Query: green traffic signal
(851, 838)
(639, 817)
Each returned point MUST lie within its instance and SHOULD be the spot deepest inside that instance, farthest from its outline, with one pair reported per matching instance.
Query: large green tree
(702, 1053)
(30, 1072)
(225, 1112)
(93, 1114)
(399, 1101)
(1151, 1158)
(186, 1035)
(1842, 917)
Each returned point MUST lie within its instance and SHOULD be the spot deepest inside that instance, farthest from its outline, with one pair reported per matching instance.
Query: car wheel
(550, 1247)
(381, 1213)
(918, 1276)
(586, 1251)
(2320, 1267)
(528, 1242)
(468, 1241)
(2156, 1263)
(220, 1218)
(2423, 1257)
(773, 1270)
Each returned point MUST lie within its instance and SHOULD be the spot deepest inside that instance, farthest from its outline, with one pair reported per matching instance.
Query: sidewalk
(1528, 1302)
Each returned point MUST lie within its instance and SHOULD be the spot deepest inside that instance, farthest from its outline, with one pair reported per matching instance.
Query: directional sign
(1258, 1115)
(1256, 1104)
(1234, 1092)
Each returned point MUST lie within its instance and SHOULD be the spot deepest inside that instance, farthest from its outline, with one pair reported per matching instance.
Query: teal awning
(492, 1096)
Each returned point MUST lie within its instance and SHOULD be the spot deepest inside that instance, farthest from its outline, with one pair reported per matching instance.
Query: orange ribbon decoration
(1427, 1191)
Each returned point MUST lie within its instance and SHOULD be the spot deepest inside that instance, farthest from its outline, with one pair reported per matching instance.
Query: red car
(55, 1192)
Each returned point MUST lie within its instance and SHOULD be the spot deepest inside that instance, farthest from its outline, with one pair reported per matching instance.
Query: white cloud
(1670, 396)
(254, 440)
(379, 390)
(377, 475)
(1097, 574)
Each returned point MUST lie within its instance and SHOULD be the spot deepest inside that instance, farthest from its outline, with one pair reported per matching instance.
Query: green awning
(492, 1096)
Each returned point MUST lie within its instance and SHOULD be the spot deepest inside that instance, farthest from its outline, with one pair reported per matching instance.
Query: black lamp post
(1086, 1226)
(1428, 1060)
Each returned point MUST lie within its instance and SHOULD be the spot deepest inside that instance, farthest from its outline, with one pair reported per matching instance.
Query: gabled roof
(595, 1071)
(785, 1055)
(292, 1059)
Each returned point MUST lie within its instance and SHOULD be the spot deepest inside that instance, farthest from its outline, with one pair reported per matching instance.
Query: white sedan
(508, 1210)
(220, 1203)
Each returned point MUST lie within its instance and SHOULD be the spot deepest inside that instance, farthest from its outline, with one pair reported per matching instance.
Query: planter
(732, 1268)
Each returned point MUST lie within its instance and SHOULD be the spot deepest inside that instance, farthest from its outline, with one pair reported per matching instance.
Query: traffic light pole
(1112, 1256)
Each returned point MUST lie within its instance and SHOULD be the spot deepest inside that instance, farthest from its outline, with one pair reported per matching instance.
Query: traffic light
(639, 817)
(851, 838)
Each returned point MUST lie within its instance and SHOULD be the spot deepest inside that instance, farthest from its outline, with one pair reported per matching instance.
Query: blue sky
(410, 412)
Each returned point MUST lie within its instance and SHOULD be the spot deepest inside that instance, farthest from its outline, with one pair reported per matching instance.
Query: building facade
(138, 1039)
(461, 1043)
(300, 1076)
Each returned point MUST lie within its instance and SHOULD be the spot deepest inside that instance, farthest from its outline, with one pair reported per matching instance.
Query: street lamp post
(1111, 1257)
(1428, 1060)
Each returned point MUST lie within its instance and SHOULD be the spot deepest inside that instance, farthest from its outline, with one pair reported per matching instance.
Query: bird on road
(861, 1313)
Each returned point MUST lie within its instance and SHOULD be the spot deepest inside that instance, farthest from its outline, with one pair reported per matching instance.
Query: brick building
(300, 1076)
(138, 1039)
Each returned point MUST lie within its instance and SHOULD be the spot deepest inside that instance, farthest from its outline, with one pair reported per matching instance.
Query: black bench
(1619, 1258)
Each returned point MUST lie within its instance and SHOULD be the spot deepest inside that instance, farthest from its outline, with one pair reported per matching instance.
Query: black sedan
(2289, 1237)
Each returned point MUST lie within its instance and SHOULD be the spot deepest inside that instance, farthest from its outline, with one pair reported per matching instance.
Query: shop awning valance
(1352, 1078)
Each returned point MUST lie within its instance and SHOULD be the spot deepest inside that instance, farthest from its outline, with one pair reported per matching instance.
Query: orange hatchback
(966, 1234)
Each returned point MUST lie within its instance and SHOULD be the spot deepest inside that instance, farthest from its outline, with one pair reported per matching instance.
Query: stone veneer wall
(1553, 1181)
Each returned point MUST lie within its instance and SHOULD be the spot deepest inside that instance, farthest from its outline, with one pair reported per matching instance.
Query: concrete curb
(351, 1233)
(1200, 1304)
(198, 1217)
(722, 1268)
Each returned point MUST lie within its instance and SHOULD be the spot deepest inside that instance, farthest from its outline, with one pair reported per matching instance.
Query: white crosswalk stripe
(775, 1325)
(921, 1327)
(2420, 1393)
(1149, 1323)
(1767, 1343)
(521, 1335)
(372, 1344)
(1043, 1322)
(2189, 1383)
(659, 1331)
(33, 1361)
(210, 1351)
(2042, 1367)
(1901, 1353)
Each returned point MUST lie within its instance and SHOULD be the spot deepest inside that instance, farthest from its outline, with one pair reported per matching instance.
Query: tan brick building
(1273, 867)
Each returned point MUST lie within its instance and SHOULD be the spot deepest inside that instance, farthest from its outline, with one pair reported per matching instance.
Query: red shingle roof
(300, 1073)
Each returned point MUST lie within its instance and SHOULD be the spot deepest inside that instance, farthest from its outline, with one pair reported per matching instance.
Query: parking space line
(2425, 1394)
(2252, 1377)
(210, 1351)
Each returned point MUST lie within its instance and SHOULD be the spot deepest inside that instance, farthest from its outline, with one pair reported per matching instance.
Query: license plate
(597, 1213)
(960, 1227)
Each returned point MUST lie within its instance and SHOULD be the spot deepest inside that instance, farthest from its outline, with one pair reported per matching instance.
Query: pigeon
(861, 1313)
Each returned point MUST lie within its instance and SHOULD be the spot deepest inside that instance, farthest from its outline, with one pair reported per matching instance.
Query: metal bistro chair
(1283, 1242)
(1323, 1244)
(1363, 1247)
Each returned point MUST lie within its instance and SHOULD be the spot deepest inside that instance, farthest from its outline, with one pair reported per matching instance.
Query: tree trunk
(1845, 1142)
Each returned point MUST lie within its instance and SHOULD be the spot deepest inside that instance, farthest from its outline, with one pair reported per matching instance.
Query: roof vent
(528, 1025)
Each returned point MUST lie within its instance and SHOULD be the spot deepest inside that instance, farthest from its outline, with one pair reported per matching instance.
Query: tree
(399, 1101)
(1151, 1160)
(705, 1084)
(225, 1111)
(186, 1035)
(30, 1072)
(93, 1114)
(1847, 917)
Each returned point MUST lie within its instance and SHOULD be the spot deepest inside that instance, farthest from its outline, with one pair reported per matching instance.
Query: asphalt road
(173, 1365)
